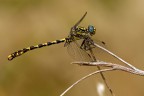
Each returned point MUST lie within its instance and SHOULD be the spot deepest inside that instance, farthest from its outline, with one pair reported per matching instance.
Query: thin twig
(102, 75)
(104, 64)
(114, 66)
(114, 55)
(83, 78)
(130, 69)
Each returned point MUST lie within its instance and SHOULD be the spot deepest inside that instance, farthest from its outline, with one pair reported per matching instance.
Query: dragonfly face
(91, 29)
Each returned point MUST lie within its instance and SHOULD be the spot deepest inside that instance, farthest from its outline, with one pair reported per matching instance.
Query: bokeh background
(47, 71)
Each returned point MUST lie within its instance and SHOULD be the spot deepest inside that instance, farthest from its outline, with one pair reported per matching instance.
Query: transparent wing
(99, 53)
(77, 53)
(79, 21)
(74, 27)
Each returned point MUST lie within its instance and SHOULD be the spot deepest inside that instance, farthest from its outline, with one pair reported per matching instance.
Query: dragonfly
(82, 49)
(76, 33)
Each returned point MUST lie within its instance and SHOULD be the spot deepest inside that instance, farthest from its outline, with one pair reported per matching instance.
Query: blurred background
(48, 71)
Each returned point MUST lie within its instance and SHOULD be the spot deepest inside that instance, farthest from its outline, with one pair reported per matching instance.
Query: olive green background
(48, 71)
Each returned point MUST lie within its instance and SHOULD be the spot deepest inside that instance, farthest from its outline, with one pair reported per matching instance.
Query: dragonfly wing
(77, 53)
(79, 21)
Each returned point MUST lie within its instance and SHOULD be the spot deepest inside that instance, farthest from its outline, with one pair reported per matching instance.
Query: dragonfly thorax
(85, 31)
(82, 31)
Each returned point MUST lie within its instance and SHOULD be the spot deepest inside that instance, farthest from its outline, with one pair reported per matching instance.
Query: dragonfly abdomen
(24, 50)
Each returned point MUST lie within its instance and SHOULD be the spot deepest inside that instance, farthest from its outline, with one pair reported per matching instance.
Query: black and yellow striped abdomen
(24, 50)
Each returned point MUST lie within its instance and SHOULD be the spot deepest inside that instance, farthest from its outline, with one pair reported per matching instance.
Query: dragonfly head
(91, 29)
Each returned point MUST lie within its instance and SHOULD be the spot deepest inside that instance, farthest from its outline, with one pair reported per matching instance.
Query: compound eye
(91, 29)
